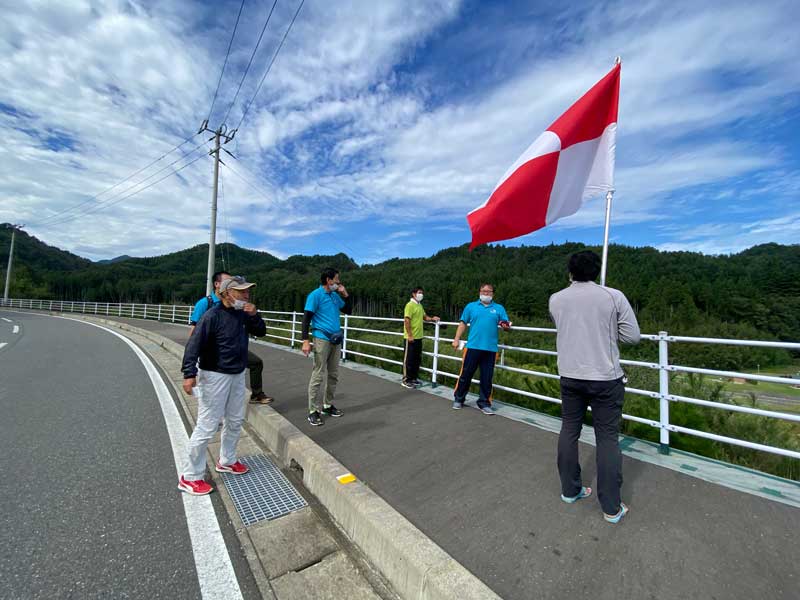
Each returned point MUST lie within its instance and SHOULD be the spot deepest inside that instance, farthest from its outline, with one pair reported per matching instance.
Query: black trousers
(606, 399)
(474, 360)
(255, 365)
(412, 358)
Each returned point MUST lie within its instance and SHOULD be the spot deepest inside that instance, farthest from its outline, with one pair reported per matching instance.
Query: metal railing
(285, 326)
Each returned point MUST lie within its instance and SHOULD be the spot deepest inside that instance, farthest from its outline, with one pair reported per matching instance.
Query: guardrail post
(344, 340)
(173, 313)
(159, 312)
(95, 308)
(294, 323)
(663, 391)
(120, 309)
(145, 312)
(435, 364)
(502, 357)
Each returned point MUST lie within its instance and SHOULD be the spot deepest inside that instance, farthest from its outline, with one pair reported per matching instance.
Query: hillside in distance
(754, 294)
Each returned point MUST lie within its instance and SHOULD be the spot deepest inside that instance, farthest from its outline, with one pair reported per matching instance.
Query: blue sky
(381, 124)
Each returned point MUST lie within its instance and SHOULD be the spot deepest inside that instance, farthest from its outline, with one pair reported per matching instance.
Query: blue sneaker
(584, 493)
(487, 410)
(623, 510)
(457, 405)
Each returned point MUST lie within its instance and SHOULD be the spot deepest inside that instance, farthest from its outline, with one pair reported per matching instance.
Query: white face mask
(486, 299)
(334, 286)
(239, 304)
(419, 297)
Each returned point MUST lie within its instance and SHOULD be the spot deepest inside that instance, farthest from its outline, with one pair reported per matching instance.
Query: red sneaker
(236, 468)
(195, 487)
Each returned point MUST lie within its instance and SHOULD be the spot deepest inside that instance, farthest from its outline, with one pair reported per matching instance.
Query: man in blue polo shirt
(483, 317)
(323, 306)
(254, 364)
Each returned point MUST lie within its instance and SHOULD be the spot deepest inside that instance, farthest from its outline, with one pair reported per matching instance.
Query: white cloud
(348, 128)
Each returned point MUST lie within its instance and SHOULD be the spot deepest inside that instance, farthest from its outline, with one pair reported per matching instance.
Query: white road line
(16, 328)
(7, 320)
(3, 344)
(213, 564)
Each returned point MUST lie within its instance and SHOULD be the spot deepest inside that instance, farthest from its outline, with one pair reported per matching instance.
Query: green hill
(753, 294)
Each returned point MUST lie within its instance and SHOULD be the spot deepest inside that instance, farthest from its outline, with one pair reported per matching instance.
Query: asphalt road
(486, 490)
(90, 507)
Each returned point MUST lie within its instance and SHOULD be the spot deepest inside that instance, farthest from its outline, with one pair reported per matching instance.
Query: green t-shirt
(415, 312)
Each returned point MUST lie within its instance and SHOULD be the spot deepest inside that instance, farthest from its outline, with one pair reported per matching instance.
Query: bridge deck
(486, 490)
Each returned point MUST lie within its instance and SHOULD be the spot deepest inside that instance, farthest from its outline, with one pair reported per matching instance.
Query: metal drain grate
(263, 492)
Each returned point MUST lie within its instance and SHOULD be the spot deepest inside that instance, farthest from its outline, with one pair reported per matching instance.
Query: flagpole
(609, 196)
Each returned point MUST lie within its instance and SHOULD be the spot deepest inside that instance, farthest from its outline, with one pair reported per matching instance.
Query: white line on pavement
(7, 320)
(2, 344)
(16, 328)
(213, 564)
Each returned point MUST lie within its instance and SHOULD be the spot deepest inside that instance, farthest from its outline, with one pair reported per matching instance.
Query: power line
(99, 207)
(250, 62)
(274, 56)
(60, 213)
(225, 62)
(249, 183)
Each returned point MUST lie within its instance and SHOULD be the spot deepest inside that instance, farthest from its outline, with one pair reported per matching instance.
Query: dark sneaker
(417, 383)
(315, 419)
(457, 405)
(408, 384)
(332, 411)
(261, 398)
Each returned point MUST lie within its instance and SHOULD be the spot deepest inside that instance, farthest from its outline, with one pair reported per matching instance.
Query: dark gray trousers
(606, 399)
(255, 365)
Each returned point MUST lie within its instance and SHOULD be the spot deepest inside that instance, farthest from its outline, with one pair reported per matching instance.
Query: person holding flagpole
(590, 321)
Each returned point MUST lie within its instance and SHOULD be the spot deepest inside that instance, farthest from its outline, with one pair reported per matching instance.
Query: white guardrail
(286, 326)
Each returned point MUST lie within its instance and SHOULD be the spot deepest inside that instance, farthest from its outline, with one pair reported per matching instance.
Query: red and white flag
(572, 161)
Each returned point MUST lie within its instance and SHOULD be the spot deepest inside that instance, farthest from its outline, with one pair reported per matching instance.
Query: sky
(380, 125)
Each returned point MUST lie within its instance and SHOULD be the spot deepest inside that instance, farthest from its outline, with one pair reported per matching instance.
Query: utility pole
(220, 134)
(10, 259)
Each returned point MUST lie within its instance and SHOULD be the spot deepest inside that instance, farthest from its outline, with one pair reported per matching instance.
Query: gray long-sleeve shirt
(591, 321)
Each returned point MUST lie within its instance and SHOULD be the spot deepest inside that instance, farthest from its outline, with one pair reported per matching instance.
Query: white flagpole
(609, 196)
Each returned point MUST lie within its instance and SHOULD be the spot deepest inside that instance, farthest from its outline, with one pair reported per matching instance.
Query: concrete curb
(414, 565)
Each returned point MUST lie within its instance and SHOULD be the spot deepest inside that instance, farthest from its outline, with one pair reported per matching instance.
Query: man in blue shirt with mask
(483, 316)
(254, 364)
(323, 306)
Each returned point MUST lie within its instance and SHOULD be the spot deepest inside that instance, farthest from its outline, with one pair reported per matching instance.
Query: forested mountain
(754, 294)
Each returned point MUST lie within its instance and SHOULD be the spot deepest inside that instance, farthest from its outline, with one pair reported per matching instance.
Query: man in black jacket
(219, 342)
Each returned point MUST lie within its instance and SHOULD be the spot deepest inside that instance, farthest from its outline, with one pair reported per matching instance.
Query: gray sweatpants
(220, 396)
(326, 370)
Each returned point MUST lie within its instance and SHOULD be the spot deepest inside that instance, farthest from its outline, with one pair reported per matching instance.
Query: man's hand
(250, 309)
(435, 319)
(410, 338)
(188, 384)
(306, 347)
(456, 343)
(505, 325)
(342, 291)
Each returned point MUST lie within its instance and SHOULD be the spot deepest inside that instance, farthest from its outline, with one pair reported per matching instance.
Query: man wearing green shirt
(413, 317)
